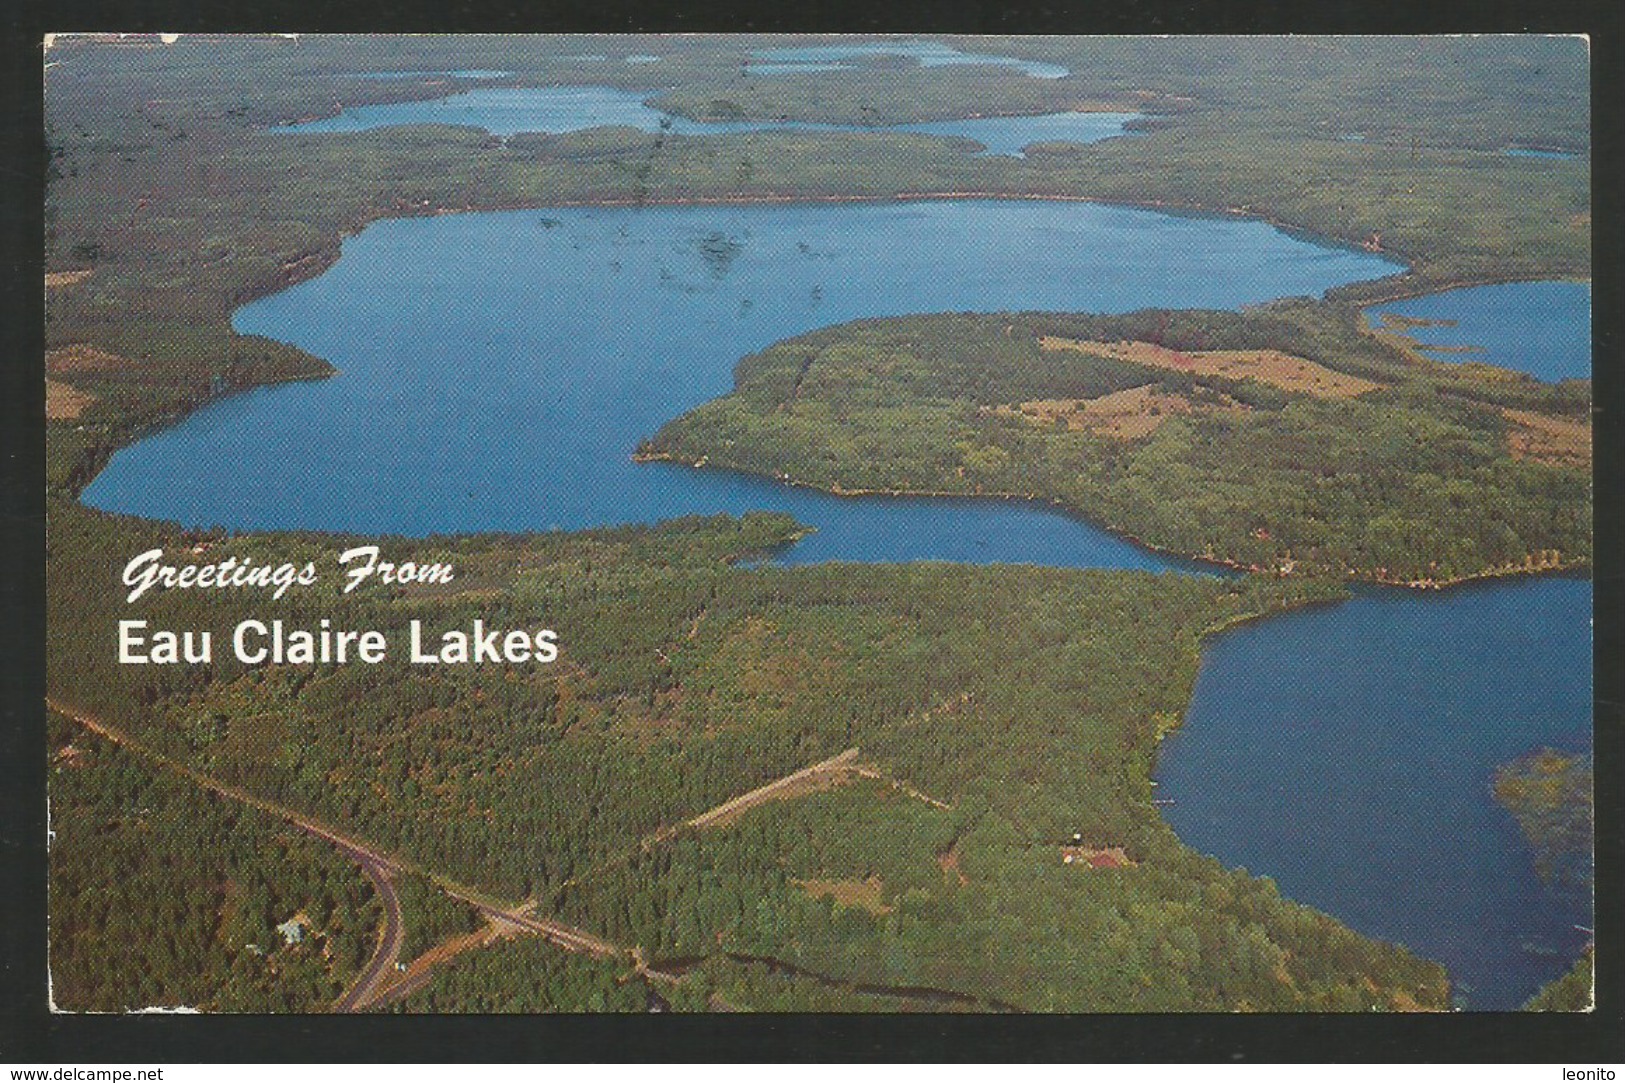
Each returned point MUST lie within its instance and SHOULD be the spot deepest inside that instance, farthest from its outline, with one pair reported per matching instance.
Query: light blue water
(790, 68)
(1531, 152)
(930, 54)
(498, 370)
(509, 110)
(1542, 328)
(1009, 135)
(468, 74)
(1348, 752)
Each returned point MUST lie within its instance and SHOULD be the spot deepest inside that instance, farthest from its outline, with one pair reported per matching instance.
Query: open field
(80, 360)
(1123, 415)
(1271, 367)
(1547, 439)
(64, 402)
(58, 279)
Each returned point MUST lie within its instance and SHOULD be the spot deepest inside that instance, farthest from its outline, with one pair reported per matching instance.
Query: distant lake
(1348, 753)
(466, 74)
(1542, 328)
(498, 370)
(510, 110)
(1531, 152)
(930, 54)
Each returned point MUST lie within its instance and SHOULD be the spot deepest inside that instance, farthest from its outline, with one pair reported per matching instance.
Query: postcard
(816, 523)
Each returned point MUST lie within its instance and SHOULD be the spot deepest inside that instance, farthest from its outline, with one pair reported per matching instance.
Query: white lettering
(140, 573)
(129, 643)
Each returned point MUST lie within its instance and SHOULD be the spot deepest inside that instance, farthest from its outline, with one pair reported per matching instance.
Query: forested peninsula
(1287, 439)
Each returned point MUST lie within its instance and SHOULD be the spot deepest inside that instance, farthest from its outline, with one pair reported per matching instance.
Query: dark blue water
(1542, 328)
(509, 110)
(930, 54)
(498, 370)
(1348, 753)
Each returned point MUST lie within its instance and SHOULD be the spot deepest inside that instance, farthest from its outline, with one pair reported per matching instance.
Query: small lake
(1542, 328)
(471, 73)
(1532, 152)
(510, 110)
(929, 54)
(1348, 753)
(498, 370)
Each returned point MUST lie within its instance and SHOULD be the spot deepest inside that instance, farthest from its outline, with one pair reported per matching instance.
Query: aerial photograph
(907, 523)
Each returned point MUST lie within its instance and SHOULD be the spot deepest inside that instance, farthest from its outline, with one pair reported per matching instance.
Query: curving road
(364, 990)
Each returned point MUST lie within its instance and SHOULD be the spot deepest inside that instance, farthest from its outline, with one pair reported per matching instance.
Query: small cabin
(1096, 857)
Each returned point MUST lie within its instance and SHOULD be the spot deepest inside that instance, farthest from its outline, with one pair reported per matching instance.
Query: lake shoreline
(319, 261)
(1417, 586)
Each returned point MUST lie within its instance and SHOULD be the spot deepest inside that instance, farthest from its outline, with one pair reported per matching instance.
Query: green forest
(991, 717)
(162, 896)
(1024, 704)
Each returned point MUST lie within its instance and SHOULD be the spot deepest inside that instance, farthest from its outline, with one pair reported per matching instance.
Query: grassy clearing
(1271, 367)
(1122, 415)
(868, 894)
(64, 402)
(1555, 440)
(74, 360)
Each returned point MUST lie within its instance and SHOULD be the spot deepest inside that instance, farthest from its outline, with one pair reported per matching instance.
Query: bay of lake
(1542, 328)
(1348, 752)
(498, 370)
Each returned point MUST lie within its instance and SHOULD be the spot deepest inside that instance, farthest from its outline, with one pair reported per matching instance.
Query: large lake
(510, 110)
(1348, 752)
(497, 370)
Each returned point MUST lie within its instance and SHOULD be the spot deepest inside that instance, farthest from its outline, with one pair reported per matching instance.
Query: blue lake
(480, 73)
(1348, 752)
(498, 370)
(1531, 152)
(929, 54)
(510, 110)
(1542, 328)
